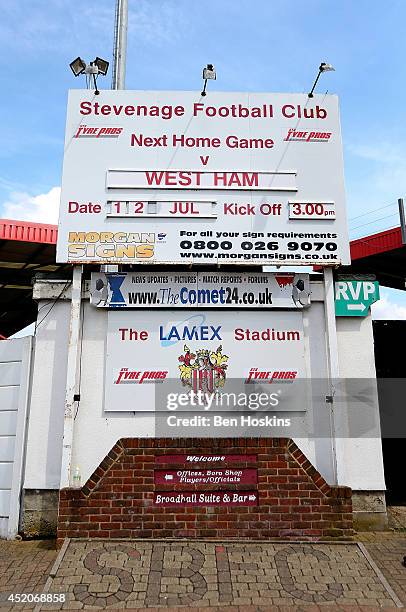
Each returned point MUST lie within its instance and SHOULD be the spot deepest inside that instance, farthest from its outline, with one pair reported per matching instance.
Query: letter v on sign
(354, 296)
(204, 159)
(354, 290)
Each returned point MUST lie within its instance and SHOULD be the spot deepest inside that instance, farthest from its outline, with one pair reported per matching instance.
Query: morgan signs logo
(294, 135)
(114, 246)
(88, 131)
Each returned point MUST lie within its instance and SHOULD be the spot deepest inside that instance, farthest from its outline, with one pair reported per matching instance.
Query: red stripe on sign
(190, 459)
(208, 498)
(204, 477)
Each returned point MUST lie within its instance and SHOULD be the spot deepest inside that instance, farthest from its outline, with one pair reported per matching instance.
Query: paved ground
(200, 574)
(387, 550)
(207, 575)
(397, 517)
(24, 567)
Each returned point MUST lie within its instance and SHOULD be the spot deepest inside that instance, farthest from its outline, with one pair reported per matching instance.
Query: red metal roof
(381, 254)
(376, 243)
(27, 231)
(26, 248)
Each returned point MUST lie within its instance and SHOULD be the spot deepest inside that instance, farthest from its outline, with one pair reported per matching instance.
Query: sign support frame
(71, 396)
(332, 358)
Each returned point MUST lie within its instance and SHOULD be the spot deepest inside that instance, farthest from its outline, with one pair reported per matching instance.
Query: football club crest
(204, 370)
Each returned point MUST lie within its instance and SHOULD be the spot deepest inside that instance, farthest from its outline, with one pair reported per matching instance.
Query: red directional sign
(214, 476)
(207, 498)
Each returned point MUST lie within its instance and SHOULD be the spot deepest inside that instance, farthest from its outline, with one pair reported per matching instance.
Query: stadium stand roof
(382, 254)
(25, 249)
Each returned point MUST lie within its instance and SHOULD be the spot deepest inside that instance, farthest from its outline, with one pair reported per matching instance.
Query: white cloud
(33, 29)
(373, 197)
(384, 152)
(157, 22)
(42, 208)
(385, 309)
(56, 26)
(385, 172)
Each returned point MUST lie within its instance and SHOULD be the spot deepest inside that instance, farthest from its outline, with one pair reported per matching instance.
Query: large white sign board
(212, 351)
(170, 177)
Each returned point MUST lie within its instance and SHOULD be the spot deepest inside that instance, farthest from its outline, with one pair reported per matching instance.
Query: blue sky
(256, 45)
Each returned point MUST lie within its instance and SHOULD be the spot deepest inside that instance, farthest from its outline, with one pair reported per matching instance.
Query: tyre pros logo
(88, 131)
(296, 135)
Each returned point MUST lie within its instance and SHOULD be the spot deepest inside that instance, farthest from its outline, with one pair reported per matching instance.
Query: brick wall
(117, 501)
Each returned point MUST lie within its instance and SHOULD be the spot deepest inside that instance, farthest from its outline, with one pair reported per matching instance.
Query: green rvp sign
(354, 297)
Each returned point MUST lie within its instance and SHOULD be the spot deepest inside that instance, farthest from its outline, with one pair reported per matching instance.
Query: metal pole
(120, 44)
(310, 95)
(71, 376)
(119, 65)
(402, 219)
(332, 359)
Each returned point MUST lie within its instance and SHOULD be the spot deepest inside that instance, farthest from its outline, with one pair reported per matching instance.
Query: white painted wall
(360, 460)
(95, 432)
(318, 451)
(44, 441)
(15, 364)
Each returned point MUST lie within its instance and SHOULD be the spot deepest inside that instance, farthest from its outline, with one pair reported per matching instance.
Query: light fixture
(102, 65)
(208, 73)
(324, 67)
(92, 70)
(77, 66)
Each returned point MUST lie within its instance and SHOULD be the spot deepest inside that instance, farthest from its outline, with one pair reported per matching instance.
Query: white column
(71, 376)
(332, 360)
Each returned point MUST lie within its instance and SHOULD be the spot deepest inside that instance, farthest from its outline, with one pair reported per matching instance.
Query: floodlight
(102, 65)
(208, 73)
(78, 66)
(324, 67)
(91, 71)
